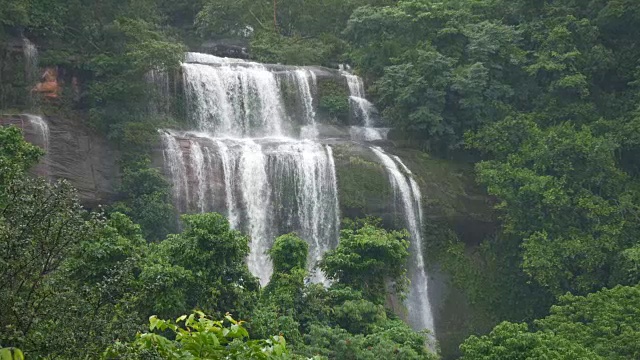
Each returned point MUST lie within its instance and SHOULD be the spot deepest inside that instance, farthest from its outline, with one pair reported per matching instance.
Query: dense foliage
(542, 95)
(199, 338)
(601, 325)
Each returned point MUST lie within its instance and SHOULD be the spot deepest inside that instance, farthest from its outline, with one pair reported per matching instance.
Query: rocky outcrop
(75, 153)
(231, 48)
(449, 193)
(49, 86)
(14, 86)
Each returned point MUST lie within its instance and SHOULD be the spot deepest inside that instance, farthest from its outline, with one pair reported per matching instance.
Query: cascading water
(362, 110)
(160, 98)
(30, 52)
(245, 162)
(41, 128)
(175, 164)
(361, 107)
(234, 99)
(306, 82)
(408, 192)
(31, 63)
(255, 156)
(362, 133)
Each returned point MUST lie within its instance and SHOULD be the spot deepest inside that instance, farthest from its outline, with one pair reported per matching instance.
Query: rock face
(75, 153)
(49, 86)
(14, 87)
(231, 48)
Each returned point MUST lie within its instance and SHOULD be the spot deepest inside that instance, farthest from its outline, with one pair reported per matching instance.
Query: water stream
(251, 159)
(408, 192)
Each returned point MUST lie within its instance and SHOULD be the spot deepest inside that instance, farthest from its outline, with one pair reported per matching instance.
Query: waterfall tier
(266, 187)
(41, 127)
(31, 63)
(363, 111)
(254, 157)
(230, 97)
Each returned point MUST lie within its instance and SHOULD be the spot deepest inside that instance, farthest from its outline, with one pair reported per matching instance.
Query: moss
(363, 185)
(449, 190)
(291, 98)
(14, 90)
(333, 100)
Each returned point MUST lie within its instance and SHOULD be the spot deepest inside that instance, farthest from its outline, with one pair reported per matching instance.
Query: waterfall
(30, 52)
(254, 155)
(362, 110)
(232, 100)
(362, 133)
(360, 106)
(408, 191)
(228, 167)
(40, 126)
(270, 187)
(245, 160)
(305, 80)
(158, 80)
(31, 61)
(199, 173)
(305, 83)
(309, 187)
(193, 57)
(256, 199)
(174, 161)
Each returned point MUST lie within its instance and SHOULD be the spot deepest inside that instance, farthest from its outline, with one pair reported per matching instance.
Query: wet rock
(75, 153)
(231, 48)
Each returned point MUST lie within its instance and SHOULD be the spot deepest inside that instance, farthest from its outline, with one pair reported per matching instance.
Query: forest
(541, 97)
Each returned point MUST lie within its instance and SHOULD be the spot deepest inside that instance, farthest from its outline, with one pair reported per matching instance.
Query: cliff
(73, 152)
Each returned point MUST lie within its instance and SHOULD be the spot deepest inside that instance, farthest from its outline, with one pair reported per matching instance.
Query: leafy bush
(199, 338)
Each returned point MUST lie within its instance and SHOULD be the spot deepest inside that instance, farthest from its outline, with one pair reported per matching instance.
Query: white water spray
(408, 191)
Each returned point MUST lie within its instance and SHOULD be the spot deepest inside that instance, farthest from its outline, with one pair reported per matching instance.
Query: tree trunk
(275, 16)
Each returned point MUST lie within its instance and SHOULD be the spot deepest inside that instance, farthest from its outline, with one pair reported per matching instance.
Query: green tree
(16, 156)
(563, 194)
(366, 258)
(289, 253)
(214, 256)
(440, 68)
(395, 341)
(199, 338)
(601, 325)
(148, 200)
(40, 226)
(282, 300)
(11, 354)
(514, 341)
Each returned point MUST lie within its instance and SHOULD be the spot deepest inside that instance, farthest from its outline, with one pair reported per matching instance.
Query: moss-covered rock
(451, 196)
(449, 193)
(333, 100)
(363, 184)
(14, 87)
